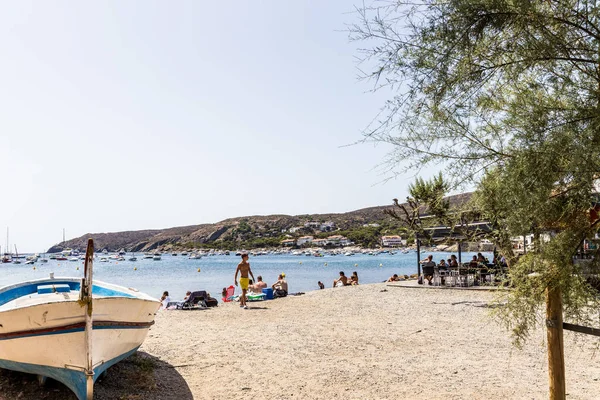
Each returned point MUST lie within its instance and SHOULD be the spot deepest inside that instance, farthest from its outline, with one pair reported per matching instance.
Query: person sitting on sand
(165, 300)
(258, 286)
(353, 279)
(393, 278)
(280, 288)
(321, 285)
(341, 281)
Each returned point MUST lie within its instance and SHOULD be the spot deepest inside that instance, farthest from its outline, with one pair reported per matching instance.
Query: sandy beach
(365, 342)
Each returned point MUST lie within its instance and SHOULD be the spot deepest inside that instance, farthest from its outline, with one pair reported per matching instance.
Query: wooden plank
(581, 329)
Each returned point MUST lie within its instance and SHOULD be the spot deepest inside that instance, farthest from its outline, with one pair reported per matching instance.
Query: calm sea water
(177, 274)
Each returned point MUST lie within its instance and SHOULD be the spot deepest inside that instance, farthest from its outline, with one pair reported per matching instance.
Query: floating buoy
(59, 264)
(356, 265)
(77, 268)
(34, 268)
(381, 265)
(135, 268)
(198, 269)
(299, 262)
(325, 264)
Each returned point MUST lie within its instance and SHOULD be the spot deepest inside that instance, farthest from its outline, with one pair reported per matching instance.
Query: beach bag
(279, 293)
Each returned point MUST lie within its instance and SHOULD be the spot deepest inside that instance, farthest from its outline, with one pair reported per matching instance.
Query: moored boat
(55, 332)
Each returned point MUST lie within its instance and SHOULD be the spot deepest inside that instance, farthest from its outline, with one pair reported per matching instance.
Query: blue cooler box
(269, 293)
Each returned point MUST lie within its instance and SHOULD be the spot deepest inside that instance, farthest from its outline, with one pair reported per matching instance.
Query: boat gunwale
(121, 291)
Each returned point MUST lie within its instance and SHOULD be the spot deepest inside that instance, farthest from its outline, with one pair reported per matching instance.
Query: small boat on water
(156, 257)
(55, 332)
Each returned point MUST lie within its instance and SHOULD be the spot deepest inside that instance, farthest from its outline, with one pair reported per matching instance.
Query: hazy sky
(140, 114)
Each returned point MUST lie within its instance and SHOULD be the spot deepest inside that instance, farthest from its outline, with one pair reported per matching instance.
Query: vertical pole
(524, 245)
(418, 256)
(556, 353)
(459, 254)
(89, 324)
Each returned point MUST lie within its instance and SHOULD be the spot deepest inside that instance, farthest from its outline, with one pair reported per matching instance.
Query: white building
(288, 242)
(339, 240)
(320, 242)
(392, 241)
(327, 226)
(303, 240)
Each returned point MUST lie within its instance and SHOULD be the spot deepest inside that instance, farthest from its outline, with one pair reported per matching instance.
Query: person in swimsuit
(244, 269)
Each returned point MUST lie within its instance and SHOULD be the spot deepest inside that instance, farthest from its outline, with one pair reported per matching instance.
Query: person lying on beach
(341, 281)
(393, 278)
(280, 288)
(353, 279)
(244, 269)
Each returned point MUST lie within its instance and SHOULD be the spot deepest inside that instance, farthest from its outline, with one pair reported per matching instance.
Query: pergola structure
(455, 234)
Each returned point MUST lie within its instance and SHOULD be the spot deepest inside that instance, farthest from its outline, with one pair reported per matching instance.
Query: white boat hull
(45, 333)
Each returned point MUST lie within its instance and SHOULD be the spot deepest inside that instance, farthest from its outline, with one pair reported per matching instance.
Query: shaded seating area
(463, 274)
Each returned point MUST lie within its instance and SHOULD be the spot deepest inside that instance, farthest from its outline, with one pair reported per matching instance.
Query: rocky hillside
(248, 232)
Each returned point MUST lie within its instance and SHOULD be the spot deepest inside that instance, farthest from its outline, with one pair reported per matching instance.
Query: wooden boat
(49, 328)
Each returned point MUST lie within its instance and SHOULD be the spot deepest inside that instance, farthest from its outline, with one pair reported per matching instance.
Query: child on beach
(244, 269)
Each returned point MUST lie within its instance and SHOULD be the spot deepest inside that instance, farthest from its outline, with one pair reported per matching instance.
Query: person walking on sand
(244, 269)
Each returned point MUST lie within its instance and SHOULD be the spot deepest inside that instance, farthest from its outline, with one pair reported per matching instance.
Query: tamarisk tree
(505, 96)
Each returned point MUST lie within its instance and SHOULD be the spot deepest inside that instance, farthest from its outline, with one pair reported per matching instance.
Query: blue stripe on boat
(32, 288)
(73, 379)
(73, 330)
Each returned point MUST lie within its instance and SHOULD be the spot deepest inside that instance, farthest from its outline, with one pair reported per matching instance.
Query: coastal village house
(320, 242)
(392, 241)
(339, 240)
(327, 226)
(288, 242)
(303, 240)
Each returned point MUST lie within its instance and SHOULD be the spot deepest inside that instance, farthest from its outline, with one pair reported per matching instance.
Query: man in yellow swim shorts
(244, 269)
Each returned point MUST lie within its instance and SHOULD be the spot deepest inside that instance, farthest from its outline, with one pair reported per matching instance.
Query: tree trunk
(556, 353)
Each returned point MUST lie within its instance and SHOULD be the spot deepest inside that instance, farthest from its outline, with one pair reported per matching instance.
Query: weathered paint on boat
(44, 333)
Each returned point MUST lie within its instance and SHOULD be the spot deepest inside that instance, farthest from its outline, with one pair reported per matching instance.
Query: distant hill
(248, 232)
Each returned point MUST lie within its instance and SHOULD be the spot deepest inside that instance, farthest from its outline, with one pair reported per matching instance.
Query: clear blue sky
(144, 114)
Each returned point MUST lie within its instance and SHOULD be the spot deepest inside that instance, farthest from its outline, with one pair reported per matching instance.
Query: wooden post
(89, 324)
(418, 257)
(556, 352)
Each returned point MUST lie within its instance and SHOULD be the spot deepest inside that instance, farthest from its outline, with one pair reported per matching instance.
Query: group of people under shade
(477, 261)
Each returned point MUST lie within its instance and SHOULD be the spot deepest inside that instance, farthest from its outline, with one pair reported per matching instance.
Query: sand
(365, 342)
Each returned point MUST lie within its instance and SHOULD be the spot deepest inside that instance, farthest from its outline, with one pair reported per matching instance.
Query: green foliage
(503, 94)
